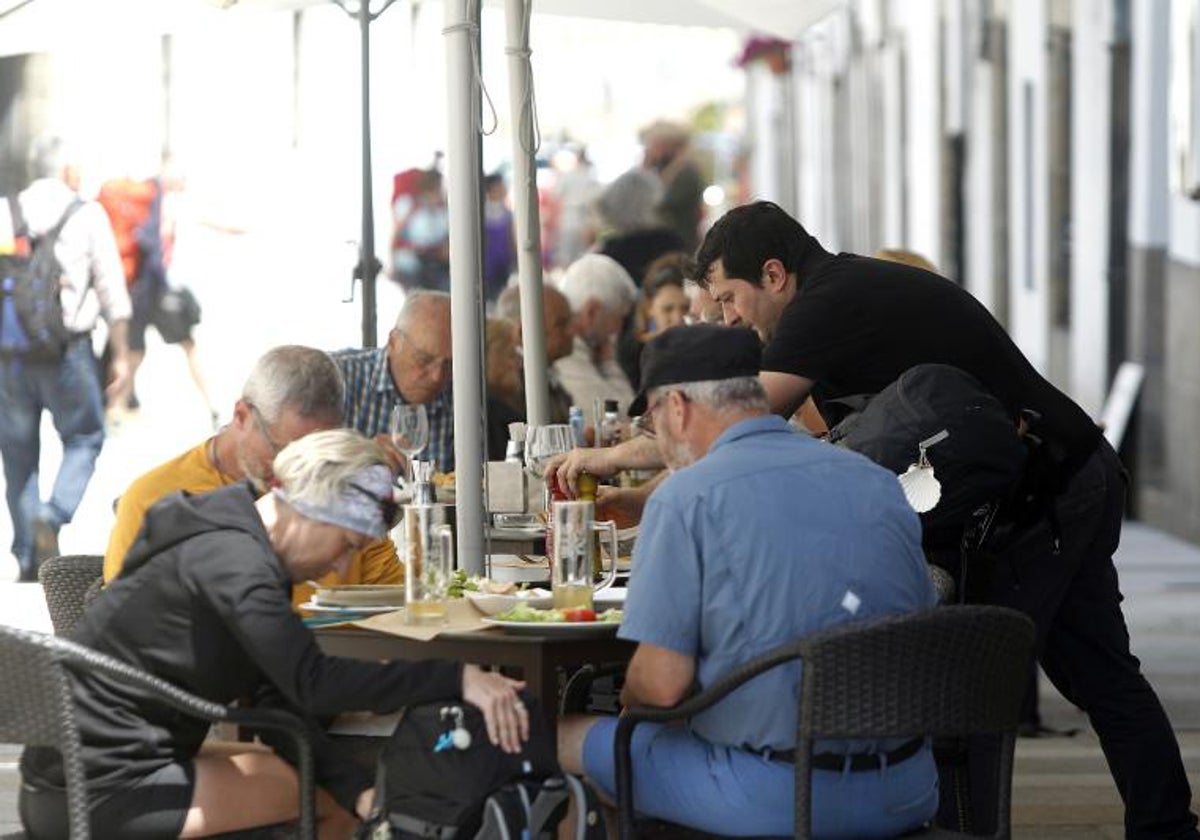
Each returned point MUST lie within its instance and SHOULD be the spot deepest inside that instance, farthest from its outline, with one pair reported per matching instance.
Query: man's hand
(637, 453)
(503, 710)
(565, 469)
(119, 379)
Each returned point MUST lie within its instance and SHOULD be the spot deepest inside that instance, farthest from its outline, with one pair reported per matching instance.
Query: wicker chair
(949, 671)
(36, 709)
(65, 581)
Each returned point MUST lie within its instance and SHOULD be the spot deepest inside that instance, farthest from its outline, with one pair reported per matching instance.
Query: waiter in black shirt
(843, 325)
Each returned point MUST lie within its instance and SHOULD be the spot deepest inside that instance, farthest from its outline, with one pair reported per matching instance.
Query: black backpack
(979, 462)
(31, 314)
(439, 777)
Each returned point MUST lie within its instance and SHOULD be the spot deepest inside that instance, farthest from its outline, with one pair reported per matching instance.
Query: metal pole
(463, 159)
(368, 266)
(528, 224)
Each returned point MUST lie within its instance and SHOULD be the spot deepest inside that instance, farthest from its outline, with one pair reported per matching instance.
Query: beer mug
(427, 546)
(571, 576)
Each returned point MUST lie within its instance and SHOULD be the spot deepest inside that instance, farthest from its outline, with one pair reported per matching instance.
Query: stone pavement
(1062, 789)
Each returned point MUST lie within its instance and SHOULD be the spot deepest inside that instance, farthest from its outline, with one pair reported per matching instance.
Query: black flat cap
(699, 353)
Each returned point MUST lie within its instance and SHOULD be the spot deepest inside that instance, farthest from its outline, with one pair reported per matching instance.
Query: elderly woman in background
(204, 602)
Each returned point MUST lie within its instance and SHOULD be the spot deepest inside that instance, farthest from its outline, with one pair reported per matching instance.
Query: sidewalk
(1062, 789)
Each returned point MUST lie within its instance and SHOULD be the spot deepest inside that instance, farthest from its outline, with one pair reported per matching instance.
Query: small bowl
(490, 603)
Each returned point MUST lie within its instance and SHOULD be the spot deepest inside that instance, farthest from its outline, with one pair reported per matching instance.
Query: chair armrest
(689, 707)
(84, 659)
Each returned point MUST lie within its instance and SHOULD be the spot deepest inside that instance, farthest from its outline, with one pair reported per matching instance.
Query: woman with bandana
(204, 601)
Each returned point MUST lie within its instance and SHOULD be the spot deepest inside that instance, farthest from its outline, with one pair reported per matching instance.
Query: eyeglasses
(645, 422)
(389, 509)
(260, 423)
(424, 359)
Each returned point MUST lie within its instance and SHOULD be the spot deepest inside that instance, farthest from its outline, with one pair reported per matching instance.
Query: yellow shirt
(194, 472)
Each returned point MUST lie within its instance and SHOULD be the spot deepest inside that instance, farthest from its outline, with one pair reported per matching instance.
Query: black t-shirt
(857, 323)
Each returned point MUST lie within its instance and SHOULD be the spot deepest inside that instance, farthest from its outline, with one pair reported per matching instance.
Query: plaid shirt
(371, 395)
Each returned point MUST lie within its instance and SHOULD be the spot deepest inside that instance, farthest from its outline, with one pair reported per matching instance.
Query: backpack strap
(51, 236)
(422, 828)
(20, 228)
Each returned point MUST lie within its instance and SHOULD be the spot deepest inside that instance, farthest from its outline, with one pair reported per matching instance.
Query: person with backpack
(838, 326)
(204, 601)
(61, 274)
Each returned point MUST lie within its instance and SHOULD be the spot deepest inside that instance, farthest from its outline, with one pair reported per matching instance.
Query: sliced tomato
(579, 614)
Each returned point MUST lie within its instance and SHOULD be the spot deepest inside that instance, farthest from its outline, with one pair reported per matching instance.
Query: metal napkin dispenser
(505, 487)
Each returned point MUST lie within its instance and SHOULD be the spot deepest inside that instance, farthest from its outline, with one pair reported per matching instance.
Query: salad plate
(532, 621)
(555, 628)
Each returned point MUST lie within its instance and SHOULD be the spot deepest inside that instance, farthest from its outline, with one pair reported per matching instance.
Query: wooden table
(537, 658)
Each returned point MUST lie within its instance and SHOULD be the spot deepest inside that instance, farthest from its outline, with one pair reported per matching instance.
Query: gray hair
(49, 156)
(315, 469)
(299, 379)
(415, 301)
(741, 394)
(630, 202)
(597, 277)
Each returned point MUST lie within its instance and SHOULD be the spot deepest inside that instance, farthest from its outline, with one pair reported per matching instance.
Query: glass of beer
(573, 551)
(427, 545)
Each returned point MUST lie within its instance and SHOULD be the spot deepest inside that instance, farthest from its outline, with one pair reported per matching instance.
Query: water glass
(427, 543)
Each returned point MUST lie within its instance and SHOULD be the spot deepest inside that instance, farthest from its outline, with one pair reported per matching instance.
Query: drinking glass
(427, 544)
(572, 574)
(542, 443)
(409, 426)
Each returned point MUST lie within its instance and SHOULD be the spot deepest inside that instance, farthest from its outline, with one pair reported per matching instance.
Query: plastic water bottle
(575, 418)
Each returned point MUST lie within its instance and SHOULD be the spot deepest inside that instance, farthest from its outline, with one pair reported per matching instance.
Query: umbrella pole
(465, 207)
(525, 201)
(368, 266)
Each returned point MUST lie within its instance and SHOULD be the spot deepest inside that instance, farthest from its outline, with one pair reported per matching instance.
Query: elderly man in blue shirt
(413, 369)
(760, 536)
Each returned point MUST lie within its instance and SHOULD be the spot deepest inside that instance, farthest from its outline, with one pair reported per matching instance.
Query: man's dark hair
(747, 236)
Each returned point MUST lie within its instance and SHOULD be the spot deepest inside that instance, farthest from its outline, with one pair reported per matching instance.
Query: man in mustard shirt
(291, 391)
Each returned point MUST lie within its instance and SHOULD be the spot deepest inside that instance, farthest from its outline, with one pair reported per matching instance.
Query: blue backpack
(31, 314)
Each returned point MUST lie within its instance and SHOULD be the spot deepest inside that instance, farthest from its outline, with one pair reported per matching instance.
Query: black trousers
(1072, 593)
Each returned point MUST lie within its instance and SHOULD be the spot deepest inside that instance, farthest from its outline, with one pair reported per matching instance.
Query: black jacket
(204, 602)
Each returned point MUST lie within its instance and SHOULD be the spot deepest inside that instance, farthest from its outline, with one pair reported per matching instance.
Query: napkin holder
(505, 487)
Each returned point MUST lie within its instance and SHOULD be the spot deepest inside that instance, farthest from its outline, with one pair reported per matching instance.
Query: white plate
(313, 606)
(555, 628)
(360, 595)
(491, 603)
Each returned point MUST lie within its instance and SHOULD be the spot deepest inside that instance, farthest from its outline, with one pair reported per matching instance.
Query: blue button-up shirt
(771, 536)
(371, 394)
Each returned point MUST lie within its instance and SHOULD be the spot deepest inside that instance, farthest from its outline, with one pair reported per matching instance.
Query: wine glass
(542, 443)
(409, 426)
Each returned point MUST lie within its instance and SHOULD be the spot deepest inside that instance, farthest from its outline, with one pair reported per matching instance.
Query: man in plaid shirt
(413, 368)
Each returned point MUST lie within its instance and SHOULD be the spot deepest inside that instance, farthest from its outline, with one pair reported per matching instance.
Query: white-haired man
(66, 382)
(760, 536)
(601, 294)
(412, 369)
